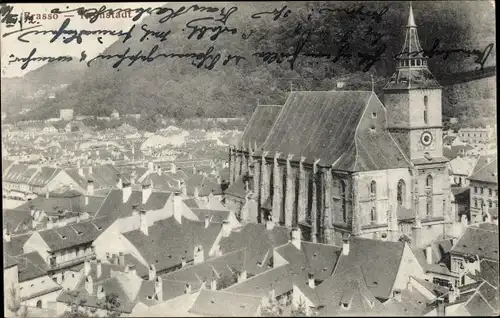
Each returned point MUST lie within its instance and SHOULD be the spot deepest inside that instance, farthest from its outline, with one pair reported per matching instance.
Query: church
(338, 163)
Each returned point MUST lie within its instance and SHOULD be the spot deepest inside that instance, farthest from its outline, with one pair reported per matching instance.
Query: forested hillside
(173, 87)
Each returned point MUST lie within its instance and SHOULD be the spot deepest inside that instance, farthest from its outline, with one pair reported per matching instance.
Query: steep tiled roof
(378, 262)
(477, 241)
(259, 125)
(309, 120)
(484, 301)
(167, 241)
(237, 188)
(226, 266)
(17, 173)
(278, 278)
(486, 173)
(257, 255)
(213, 215)
(489, 272)
(17, 220)
(170, 290)
(15, 246)
(440, 257)
(104, 176)
(43, 176)
(224, 304)
(348, 296)
(74, 234)
(412, 303)
(8, 261)
(191, 203)
(30, 266)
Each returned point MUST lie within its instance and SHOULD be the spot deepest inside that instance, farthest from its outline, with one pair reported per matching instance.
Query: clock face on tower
(426, 138)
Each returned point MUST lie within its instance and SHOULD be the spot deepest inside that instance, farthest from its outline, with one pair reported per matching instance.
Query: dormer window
(374, 115)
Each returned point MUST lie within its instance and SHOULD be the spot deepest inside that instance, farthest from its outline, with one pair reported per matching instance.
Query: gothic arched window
(401, 192)
(343, 196)
(429, 207)
(373, 215)
(428, 181)
(373, 188)
(426, 110)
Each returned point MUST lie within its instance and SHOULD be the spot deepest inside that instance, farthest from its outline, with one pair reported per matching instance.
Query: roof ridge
(486, 165)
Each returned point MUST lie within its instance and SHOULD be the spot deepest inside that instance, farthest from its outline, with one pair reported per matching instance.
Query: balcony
(72, 262)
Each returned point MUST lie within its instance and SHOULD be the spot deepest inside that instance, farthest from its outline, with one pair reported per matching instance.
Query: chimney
(101, 294)
(86, 268)
(213, 283)
(119, 183)
(178, 207)
(159, 288)
(121, 258)
(207, 221)
(159, 170)
(345, 246)
(90, 187)
(397, 294)
(187, 290)
(198, 256)
(89, 286)
(194, 170)
(146, 192)
(310, 280)
(226, 228)
(134, 209)
(91, 169)
(86, 200)
(126, 191)
(409, 286)
(47, 194)
(428, 254)
(173, 169)
(296, 237)
(98, 268)
(152, 272)
(269, 223)
(246, 185)
(242, 276)
(143, 222)
(196, 193)
(183, 261)
(453, 294)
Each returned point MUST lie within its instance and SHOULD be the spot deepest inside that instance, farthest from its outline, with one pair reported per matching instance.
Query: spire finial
(411, 20)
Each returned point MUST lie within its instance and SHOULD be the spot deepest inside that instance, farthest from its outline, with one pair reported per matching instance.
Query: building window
(428, 181)
(490, 192)
(344, 200)
(373, 215)
(475, 189)
(482, 190)
(429, 206)
(490, 204)
(475, 203)
(373, 188)
(401, 192)
(39, 304)
(441, 282)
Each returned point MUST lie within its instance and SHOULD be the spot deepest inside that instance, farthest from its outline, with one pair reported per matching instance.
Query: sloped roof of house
(257, 255)
(213, 215)
(237, 188)
(478, 241)
(31, 266)
(74, 234)
(348, 296)
(8, 261)
(486, 172)
(170, 290)
(226, 266)
(309, 120)
(191, 203)
(13, 220)
(17, 173)
(15, 246)
(181, 241)
(440, 257)
(377, 260)
(103, 176)
(412, 303)
(224, 304)
(259, 125)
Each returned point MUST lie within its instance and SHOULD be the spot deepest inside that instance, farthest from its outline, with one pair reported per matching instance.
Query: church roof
(260, 124)
(328, 126)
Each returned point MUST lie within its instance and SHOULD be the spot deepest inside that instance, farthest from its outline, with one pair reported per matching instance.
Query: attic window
(374, 115)
(315, 254)
(149, 297)
(345, 305)
(325, 269)
(372, 129)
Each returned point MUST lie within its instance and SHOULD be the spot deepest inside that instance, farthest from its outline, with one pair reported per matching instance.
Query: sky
(11, 45)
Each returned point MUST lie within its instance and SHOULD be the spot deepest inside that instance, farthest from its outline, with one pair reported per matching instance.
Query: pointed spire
(411, 20)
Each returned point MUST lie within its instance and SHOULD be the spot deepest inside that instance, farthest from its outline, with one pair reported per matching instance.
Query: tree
(15, 305)
(111, 304)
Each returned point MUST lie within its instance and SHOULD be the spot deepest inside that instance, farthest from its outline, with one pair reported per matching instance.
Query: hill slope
(175, 88)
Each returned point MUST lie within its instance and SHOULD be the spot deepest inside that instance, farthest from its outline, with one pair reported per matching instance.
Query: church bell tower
(413, 100)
